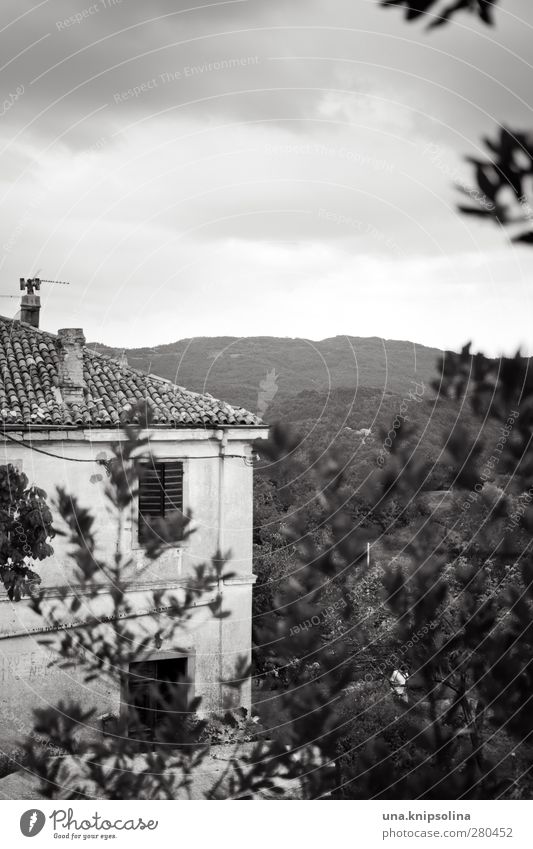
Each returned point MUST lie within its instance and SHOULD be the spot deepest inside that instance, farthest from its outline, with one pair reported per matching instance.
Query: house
(61, 407)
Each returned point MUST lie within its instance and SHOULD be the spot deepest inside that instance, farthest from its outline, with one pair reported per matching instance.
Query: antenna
(34, 283)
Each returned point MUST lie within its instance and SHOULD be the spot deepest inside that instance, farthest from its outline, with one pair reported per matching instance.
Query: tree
(461, 624)
(440, 12)
(25, 531)
(504, 188)
(504, 183)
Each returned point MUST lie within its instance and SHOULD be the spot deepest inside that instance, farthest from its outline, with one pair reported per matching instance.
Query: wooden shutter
(152, 490)
(173, 486)
(160, 491)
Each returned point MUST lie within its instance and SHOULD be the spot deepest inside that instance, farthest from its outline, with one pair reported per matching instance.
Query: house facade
(61, 408)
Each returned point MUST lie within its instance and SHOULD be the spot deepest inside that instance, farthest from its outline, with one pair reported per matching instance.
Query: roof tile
(30, 393)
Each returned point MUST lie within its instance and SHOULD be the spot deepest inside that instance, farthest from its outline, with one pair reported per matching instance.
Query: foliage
(440, 12)
(459, 606)
(504, 180)
(25, 531)
(504, 183)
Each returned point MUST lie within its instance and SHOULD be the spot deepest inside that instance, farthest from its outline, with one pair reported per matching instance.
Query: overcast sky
(273, 167)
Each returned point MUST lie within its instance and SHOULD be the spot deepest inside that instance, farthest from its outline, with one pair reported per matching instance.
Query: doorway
(157, 690)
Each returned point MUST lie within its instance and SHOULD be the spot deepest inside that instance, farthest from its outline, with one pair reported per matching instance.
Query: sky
(259, 167)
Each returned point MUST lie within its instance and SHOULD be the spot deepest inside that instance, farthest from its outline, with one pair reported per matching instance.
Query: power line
(50, 453)
(104, 462)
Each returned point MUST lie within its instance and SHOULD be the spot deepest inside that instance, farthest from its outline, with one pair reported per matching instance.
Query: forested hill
(254, 371)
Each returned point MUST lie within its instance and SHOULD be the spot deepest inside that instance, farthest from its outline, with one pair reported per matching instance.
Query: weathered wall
(219, 494)
(79, 473)
(31, 678)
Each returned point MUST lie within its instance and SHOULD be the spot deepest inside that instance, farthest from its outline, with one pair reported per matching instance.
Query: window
(160, 491)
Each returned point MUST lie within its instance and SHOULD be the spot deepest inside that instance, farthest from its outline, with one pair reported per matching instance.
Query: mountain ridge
(250, 371)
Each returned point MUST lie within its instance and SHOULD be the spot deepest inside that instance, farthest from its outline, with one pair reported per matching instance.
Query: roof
(30, 393)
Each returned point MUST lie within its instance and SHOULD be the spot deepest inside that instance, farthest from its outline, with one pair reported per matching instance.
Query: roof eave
(110, 426)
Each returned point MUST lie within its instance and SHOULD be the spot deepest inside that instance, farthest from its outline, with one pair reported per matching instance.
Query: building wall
(217, 491)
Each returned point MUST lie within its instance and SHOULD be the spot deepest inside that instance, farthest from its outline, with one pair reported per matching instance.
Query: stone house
(61, 406)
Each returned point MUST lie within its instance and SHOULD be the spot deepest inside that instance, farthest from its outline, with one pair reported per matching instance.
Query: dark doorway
(157, 690)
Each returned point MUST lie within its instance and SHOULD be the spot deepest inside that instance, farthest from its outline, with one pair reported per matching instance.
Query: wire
(103, 462)
(49, 453)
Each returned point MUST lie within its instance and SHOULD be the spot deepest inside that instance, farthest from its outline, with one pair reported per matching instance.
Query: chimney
(30, 307)
(70, 348)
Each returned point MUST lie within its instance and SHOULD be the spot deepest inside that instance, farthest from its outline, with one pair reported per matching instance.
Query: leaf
(524, 238)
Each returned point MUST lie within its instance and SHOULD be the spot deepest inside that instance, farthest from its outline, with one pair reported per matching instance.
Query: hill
(253, 371)
(357, 424)
(328, 391)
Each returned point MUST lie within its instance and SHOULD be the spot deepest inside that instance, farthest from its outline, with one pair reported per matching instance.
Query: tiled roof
(30, 392)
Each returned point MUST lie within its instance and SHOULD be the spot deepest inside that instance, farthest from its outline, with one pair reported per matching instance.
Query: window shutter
(173, 487)
(160, 491)
(152, 490)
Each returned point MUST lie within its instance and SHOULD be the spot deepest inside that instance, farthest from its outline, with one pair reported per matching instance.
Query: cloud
(73, 62)
(314, 291)
(172, 163)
